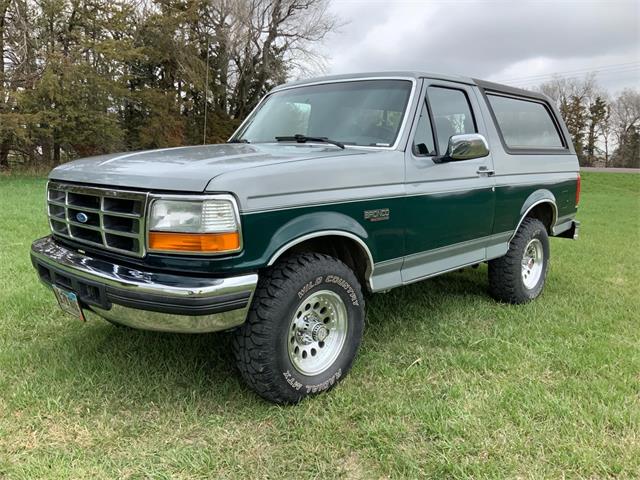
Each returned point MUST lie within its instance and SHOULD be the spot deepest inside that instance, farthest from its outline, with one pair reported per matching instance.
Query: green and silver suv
(332, 188)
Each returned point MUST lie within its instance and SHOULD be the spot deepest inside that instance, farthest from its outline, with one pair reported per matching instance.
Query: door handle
(485, 171)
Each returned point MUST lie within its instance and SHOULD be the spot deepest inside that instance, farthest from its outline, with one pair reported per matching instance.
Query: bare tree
(606, 134)
(625, 111)
(270, 38)
(625, 115)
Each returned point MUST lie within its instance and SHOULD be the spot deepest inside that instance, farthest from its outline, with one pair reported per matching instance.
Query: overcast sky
(520, 43)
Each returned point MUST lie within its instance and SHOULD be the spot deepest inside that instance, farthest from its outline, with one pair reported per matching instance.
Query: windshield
(365, 113)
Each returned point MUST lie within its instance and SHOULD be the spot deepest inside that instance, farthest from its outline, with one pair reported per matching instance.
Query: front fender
(317, 223)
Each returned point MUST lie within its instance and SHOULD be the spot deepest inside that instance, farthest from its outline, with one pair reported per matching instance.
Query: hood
(186, 169)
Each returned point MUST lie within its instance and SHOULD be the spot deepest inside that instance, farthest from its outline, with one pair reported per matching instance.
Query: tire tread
(252, 341)
(504, 272)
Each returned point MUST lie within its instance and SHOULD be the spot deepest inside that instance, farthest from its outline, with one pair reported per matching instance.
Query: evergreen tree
(83, 77)
(597, 115)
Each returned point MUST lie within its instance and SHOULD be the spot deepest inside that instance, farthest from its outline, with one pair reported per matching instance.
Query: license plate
(68, 302)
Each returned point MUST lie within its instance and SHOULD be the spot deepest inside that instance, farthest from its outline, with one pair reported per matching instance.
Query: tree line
(605, 130)
(84, 77)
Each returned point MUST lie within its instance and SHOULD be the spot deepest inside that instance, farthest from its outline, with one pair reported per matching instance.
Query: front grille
(102, 217)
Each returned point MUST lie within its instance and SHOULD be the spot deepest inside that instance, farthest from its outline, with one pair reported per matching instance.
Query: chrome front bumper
(146, 300)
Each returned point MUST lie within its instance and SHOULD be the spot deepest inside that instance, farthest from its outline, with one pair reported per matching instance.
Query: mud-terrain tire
(520, 275)
(303, 330)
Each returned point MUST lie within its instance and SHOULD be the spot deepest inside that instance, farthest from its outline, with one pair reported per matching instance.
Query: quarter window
(423, 144)
(525, 123)
(451, 114)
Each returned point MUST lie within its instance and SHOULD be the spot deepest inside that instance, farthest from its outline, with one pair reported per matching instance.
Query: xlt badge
(376, 215)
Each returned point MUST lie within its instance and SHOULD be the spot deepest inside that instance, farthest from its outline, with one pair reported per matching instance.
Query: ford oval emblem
(82, 217)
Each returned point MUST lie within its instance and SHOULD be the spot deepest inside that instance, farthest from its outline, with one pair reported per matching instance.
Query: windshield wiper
(303, 139)
(239, 140)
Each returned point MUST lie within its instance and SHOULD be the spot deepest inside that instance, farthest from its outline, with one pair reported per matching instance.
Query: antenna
(206, 94)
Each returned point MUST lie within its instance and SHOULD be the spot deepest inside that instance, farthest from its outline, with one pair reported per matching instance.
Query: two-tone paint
(441, 216)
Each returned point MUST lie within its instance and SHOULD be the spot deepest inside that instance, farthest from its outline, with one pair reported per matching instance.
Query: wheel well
(545, 212)
(345, 249)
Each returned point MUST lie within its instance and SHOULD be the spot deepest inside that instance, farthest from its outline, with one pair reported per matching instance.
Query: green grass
(448, 383)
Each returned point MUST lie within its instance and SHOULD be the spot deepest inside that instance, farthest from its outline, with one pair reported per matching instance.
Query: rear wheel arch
(546, 212)
(542, 206)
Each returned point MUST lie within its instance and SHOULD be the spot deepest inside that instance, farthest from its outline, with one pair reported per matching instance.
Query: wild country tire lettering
(335, 279)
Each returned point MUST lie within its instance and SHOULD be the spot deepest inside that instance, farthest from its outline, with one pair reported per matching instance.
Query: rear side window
(525, 124)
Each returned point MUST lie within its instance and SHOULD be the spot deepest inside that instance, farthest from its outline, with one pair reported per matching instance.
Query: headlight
(194, 225)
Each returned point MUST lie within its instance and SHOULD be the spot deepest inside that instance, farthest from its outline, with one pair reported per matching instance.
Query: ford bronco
(331, 188)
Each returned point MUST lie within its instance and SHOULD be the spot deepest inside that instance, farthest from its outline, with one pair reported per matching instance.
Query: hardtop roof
(485, 85)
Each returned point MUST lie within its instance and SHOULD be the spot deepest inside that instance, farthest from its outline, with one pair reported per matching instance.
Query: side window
(423, 144)
(451, 114)
(525, 123)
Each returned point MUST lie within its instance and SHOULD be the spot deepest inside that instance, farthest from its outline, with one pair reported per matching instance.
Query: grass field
(447, 384)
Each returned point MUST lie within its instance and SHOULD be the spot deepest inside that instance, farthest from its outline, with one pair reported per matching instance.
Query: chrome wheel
(532, 263)
(317, 332)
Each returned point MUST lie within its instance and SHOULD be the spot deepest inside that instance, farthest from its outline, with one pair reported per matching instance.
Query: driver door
(449, 205)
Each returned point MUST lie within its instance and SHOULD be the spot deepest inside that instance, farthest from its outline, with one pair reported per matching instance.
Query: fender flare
(318, 224)
(536, 198)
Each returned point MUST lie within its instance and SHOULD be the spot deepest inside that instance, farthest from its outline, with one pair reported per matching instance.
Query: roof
(398, 74)
(417, 75)
(499, 87)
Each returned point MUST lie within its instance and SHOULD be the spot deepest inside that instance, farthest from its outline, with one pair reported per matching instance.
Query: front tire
(303, 330)
(520, 275)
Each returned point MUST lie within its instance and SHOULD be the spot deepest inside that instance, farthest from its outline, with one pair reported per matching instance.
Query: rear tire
(520, 275)
(303, 330)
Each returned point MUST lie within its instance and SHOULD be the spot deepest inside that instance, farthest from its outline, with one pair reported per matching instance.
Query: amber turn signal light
(194, 242)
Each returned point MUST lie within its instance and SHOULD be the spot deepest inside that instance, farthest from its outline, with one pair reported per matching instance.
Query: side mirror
(466, 147)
